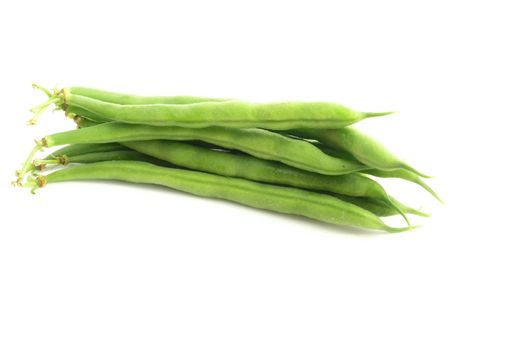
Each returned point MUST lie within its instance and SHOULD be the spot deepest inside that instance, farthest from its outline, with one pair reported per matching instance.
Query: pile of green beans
(300, 158)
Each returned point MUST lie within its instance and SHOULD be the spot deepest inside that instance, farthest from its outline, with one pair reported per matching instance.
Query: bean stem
(27, 165)
(43, 89)
(55, 97)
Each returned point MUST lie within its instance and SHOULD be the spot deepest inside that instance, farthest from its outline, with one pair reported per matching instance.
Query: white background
(115, 266)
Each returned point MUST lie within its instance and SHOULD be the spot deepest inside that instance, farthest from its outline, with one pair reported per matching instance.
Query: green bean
(83, 148)
(364, 148)
(380, 208)
(405, 208)
(398, 174)
(93, 157)
(229, 113)
(83, 122)
(128, 99)
(233, 114)
(270, 197)
(56, 96)
(73, 111)
(405, 175)
(257, 142)
(251, 168)
(75, 150)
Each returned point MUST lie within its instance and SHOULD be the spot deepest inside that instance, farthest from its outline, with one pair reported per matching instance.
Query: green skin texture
(77, 111)
(232, 113)
(397, 174)
(127, 99)
(286, 200)
(226, 164)
(405, 175)
(83, 148)
(248, 167)
(380, 208)
(364, 148)
(256, 142)
(109, 155)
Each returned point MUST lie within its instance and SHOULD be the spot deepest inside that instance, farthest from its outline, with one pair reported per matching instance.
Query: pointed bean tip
(401, 212)
(435, 195)
(424, 175)
(429, 189)
(410, 168)
(390, 229)
(422, 214)
(378, 114)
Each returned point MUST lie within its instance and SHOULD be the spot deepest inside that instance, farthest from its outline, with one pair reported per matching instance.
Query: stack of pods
(300, 158)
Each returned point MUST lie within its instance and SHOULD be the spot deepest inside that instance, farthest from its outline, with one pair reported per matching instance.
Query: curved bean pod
(231, 113)
(257, 142)
(128, 99)
(251, 168)
(405, 175)
(94, 157)
(83, 148)
(75, 150)
(396, 174)
(380, 208)
(83, 123)
(363, 147)
(73, 111)
(286, 200)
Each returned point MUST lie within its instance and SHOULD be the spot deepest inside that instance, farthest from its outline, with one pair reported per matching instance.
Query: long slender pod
(83, 148)
(56, 96)
(251, 168)
(405, 175)
(287, 200)
(380, 208)
(233, 114)
(398, 174)
(229, 113)
(73, 112)
(257, 142)
(129, 99)
(76, 150)
(94, 157)
(363, 147)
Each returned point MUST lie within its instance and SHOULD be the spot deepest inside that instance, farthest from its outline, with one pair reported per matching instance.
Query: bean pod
(251, 168)
(286, 200)
(364, 148)
(257, 142)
